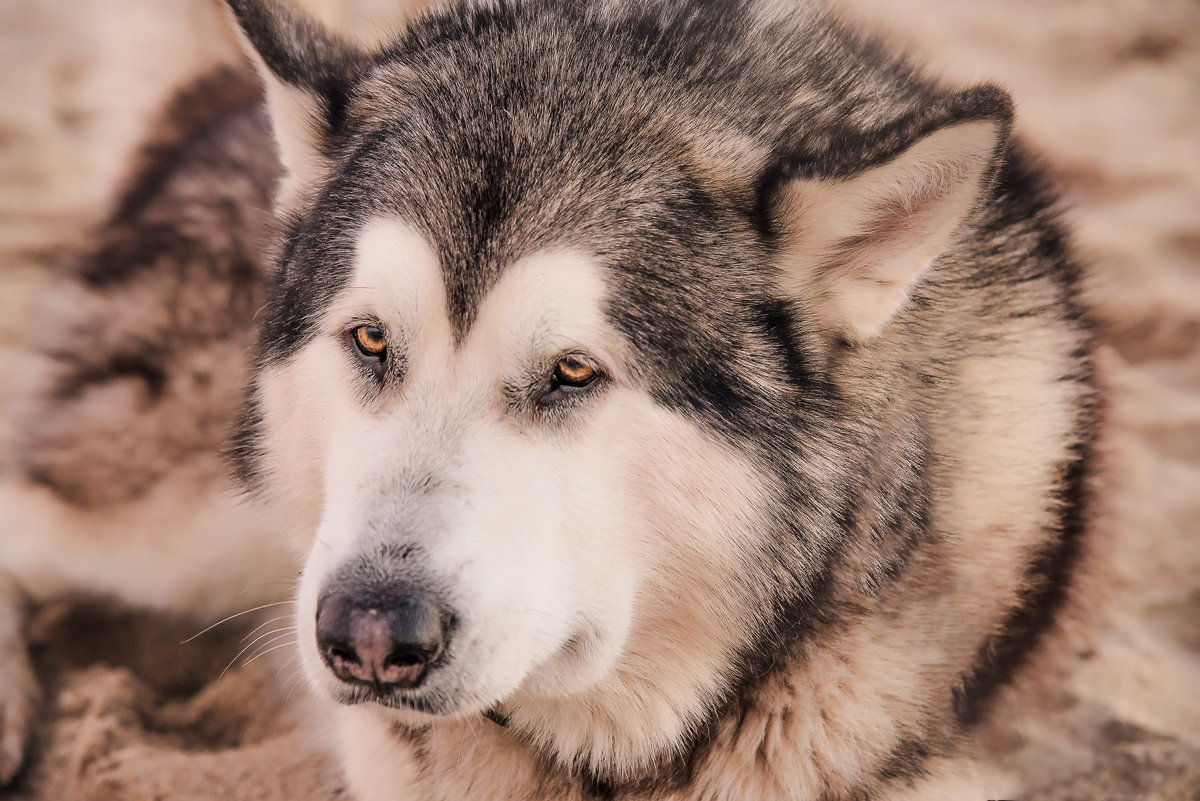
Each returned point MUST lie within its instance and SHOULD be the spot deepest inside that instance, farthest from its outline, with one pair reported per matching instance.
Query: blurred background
(1108, 90)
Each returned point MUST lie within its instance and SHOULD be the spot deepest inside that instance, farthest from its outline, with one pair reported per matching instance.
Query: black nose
(384, 643)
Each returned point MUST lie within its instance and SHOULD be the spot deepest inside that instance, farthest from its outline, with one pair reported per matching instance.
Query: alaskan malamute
(677, 399)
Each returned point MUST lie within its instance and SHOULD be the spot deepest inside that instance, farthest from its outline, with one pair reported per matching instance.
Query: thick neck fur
(863, 706)
(822, 725)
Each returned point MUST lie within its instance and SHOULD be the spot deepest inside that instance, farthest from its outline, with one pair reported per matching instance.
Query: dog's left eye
(370, 341)
(572, 379)
(571, 371)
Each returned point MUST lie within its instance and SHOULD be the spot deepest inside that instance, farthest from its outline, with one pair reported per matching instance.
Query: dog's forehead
(487, 202)
(549, 298)
(499, 155)
(504, 144)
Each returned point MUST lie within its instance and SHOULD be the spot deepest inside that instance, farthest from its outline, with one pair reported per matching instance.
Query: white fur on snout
(507, 514)
(578, 551)
(573, 549)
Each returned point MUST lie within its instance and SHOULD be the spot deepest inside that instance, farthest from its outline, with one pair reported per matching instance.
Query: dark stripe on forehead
(499, 130)
(472, 248)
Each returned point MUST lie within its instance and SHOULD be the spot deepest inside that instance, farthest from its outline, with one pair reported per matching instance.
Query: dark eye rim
(375, 355)
(560, 381)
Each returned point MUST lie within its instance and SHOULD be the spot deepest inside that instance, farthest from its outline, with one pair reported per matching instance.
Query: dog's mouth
(410, 700)
(399, 683)
(429, 693)
(433, 705)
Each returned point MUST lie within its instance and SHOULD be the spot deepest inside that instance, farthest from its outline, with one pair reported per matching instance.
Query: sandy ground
(1109, 90)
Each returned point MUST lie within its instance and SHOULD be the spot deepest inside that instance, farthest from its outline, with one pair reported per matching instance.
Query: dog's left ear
(309, 73)
(856, 239)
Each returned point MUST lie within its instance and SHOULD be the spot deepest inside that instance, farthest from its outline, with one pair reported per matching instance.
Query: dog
(676, 399)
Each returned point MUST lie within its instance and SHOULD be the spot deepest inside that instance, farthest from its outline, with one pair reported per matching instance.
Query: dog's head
(550, 361)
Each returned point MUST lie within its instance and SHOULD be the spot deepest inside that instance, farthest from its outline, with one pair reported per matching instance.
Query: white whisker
(295, 682)
(250, 645)
(231, 617)
(269, 650)
(285, 665)
(260, 626)
(269, 642)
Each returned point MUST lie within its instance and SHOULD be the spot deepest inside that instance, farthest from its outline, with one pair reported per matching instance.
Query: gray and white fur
(677, 399)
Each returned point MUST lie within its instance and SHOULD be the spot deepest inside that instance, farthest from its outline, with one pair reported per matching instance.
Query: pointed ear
(308, 73)
(857, 238)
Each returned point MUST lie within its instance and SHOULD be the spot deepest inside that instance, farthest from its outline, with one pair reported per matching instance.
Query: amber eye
(574, 372)
(370, 341)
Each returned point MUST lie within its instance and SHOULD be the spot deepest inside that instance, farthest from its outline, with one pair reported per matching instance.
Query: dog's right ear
(309, 73)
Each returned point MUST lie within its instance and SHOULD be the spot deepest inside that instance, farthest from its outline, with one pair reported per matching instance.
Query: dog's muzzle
(383, 644)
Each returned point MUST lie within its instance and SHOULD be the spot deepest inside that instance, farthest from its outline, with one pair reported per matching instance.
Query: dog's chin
(411, 707)
(417, 706)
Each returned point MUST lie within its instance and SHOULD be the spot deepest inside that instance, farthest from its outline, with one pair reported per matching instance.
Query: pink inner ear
(866, 241)
(898, 225)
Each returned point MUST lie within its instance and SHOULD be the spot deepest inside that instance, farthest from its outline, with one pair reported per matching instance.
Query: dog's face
(550, 369)
(512, 462)
(517, 480)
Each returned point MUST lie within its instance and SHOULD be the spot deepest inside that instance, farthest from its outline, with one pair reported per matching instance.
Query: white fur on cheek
(296, 433)
(517, 508)
(574, 618)
(637, 485)
(676, 542)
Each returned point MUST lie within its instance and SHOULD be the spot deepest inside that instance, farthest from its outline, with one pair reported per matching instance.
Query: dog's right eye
(572, 378)
(371, 343)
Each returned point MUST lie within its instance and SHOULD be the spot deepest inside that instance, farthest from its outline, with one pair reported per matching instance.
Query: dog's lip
(394, 699)
(411, 700)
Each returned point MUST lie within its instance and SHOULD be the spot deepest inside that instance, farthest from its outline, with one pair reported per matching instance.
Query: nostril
(404, 659)
(341, 654)
(387, 643)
